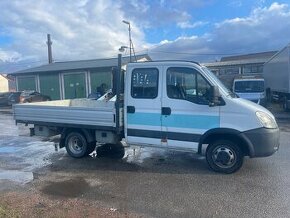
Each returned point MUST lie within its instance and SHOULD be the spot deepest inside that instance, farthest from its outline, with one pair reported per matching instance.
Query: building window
(101, 81)
(26, 83)
(229, 71)
(253, 69)
(144, 83)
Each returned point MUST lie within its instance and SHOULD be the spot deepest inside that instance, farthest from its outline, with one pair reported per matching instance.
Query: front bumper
(264, 142)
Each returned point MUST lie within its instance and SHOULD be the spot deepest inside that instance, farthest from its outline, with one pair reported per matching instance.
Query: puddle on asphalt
(139, 155)
(69, 188)
(21, 177)
(8, 149)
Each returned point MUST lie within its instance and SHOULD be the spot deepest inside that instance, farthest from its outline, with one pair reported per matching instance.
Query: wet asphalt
(149, 182)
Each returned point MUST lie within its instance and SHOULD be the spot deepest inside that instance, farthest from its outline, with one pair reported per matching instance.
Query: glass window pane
(187, 84)
(247, 69)
(144, 83)
(26, 83)
(49, 85)
(101, 81)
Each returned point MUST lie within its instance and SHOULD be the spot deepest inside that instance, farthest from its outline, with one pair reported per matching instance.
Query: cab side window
(144, 83)
(187, 84)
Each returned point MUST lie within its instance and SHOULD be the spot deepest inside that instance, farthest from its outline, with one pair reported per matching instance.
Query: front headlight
(266, 120)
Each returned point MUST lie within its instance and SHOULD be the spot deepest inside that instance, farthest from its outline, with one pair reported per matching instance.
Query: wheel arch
(229, 134)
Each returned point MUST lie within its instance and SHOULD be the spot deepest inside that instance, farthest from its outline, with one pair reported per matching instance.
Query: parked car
(33, 96)
(14, 98)
(4, 98)
(94, 95)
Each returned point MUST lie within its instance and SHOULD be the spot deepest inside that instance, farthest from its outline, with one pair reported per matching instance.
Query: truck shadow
(138, 160)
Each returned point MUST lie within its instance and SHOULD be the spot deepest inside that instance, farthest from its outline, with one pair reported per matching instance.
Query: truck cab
(183, 106)
(251, 88)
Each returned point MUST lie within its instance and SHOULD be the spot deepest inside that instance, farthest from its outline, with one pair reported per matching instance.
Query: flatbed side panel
(76, 126)
(65, 115)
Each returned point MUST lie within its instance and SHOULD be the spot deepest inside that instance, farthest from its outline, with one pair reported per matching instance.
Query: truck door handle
(165, 111)
(130, 109)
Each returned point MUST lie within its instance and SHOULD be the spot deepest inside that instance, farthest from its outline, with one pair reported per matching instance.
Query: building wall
(227, 74)
(3, 84)
(68, 84)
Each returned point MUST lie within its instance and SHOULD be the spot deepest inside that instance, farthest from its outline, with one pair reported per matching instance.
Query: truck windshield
(249, 86)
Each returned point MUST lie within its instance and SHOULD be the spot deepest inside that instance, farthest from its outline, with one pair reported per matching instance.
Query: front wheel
(224, 156)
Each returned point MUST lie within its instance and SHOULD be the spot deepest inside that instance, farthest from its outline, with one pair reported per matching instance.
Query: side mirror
(214, 96)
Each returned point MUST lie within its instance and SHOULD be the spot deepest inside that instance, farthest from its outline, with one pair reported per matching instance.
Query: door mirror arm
(214, 96)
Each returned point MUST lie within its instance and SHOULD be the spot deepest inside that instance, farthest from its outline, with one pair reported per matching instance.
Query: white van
(251, 88)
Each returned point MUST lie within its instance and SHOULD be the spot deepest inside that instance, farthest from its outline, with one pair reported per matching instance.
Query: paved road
(146, 182)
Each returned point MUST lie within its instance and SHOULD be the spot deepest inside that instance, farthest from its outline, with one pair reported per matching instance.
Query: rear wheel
(76, 145)
(92, 147)
(224, 156)
(285, 104)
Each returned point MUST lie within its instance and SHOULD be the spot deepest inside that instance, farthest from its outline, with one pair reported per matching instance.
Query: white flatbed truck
(165, 104)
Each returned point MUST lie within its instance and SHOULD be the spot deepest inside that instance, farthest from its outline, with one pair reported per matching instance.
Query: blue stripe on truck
(174, 120)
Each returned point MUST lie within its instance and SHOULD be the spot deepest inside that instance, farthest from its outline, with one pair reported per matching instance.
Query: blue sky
(210, 13)
(167, 29)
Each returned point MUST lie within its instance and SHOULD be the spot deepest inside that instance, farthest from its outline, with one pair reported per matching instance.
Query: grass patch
(7, 213)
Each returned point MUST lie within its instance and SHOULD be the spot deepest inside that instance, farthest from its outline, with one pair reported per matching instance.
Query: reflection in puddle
(8, 149)
(21, 177)
(139, 155)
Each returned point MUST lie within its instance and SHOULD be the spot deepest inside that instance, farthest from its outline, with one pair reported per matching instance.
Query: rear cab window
(144, 83)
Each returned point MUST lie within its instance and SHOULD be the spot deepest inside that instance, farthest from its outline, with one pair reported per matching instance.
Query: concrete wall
(3, 84)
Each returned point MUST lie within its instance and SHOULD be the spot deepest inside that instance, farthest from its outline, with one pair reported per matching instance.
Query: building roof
(255, 58)
(260, 55)
(81, 64)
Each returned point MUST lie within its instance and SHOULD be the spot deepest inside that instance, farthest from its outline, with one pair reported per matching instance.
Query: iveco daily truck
(164, 104)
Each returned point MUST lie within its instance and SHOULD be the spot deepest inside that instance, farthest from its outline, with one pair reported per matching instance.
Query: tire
(76, 145)
(114, 151)
(224, 156)
(285, 104)
(268, 95)
(92, 147)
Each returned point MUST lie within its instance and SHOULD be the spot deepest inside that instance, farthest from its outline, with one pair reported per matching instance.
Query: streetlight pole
(131, 47)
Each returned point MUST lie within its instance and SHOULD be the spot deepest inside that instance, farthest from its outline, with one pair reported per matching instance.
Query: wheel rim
(76, 145)
(224, 157)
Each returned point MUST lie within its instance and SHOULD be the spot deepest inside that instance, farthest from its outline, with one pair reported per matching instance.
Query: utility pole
(49, 43)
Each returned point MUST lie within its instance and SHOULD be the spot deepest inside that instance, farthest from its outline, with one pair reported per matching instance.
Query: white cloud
(236, 3)
(9, 56)
(89, 29)
(79, 29)
(188, 25)
(266, 28)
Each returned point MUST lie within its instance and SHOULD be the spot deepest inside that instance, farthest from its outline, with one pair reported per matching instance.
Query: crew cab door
(186, 114)
(143, 111)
